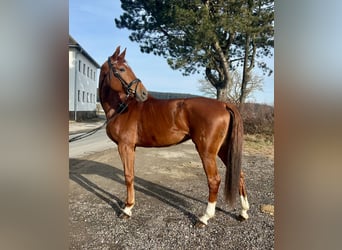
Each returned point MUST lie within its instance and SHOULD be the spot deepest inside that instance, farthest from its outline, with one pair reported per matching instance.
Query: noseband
(125, 85)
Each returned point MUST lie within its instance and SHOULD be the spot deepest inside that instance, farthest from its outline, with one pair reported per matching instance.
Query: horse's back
(204, 110)
(167, 122)
(185, 112)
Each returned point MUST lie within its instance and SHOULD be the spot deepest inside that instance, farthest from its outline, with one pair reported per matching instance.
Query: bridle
(122, 106)
(127, 86)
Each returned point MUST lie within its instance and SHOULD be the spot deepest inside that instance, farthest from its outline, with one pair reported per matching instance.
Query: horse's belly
(161, 140)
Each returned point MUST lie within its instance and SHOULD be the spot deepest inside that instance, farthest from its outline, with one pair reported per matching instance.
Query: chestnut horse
(135, 118)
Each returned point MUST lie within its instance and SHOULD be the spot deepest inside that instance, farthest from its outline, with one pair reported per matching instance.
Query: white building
(83, 81)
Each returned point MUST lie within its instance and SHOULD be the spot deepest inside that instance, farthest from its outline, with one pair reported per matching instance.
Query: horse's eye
(122, 69)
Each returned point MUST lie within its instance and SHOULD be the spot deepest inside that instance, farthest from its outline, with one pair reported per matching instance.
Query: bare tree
(234, 89)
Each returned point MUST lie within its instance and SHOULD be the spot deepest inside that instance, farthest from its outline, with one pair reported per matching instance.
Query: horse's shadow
(173, 198)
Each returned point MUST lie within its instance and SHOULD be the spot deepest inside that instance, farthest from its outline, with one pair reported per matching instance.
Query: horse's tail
(234, 141)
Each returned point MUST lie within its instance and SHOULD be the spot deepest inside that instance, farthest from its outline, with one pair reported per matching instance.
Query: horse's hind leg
(243, 198)
(242, 188)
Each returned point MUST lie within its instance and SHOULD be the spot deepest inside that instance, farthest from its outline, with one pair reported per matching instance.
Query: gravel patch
(171, 192)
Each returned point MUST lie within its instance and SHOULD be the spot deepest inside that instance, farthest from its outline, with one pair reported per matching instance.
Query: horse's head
(120, 78)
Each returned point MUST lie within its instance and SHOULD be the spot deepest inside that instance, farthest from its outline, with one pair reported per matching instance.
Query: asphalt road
(94, 143)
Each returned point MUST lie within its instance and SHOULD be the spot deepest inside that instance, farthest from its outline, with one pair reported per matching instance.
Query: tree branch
(212, 79)
(164, 31)
(252, 58)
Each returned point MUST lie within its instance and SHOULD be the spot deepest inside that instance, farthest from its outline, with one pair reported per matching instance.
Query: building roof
(73, 44)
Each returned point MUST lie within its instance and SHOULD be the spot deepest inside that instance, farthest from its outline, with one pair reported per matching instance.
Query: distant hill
(165, 95)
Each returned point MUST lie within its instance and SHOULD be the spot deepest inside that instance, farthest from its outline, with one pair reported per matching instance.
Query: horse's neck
(110, 101)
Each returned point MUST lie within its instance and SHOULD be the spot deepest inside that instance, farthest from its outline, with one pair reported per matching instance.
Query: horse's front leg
(127, 155)
(209, 163)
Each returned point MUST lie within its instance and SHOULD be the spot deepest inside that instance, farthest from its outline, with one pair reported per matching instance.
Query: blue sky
(91, 24)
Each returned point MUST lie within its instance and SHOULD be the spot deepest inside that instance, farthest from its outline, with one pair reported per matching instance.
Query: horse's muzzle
(141, 94)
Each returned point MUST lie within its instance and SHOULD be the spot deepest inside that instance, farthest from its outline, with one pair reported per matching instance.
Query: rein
(121, 109)
(86, 134)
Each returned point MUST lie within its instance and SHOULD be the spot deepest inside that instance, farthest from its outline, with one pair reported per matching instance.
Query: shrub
(258, 119)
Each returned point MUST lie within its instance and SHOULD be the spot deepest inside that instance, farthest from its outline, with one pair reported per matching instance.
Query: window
(83, 97)
(88, 71)
(87, 97)
(91, 73)
(79, 65)
(91, 98)
(79, 95)
(84, 68)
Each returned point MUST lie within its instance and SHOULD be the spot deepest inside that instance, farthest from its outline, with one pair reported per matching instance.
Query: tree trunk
(245, 71)
(222, 94)
(222, 88)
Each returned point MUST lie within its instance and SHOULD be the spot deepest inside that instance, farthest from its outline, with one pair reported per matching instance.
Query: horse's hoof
(241, 218)
(200, 224)
(124, 216)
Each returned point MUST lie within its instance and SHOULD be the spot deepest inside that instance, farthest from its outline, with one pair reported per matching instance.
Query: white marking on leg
(209, 213)
(128, 210)
(245, 207)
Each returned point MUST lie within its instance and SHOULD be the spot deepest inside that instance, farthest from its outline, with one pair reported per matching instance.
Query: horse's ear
(116, 53)
(122, 56)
